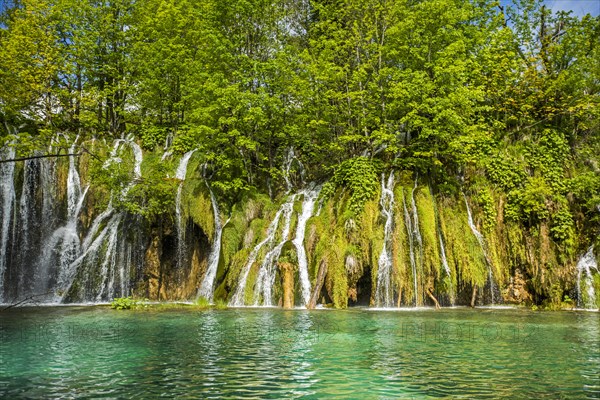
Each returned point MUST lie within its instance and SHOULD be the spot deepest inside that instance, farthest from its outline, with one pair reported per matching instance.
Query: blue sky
(579, 7)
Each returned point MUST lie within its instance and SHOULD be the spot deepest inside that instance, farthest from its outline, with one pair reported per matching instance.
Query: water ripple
(271, 353)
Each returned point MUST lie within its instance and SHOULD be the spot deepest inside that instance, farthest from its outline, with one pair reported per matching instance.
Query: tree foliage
(449, 89)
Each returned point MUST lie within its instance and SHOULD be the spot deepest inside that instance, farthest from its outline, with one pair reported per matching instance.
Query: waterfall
(585, 265)
(443, 256)
(69, 249)
(67, 235)
(238, 298)
(287, 167)
(308, 206)
(104, 249)
(137, 155)
(384, 292)
(73, 184)
(263, 289)
(411, 219)
(166, 155)
(208, 283)
(181, 174)
(49, 184)
(110, 259)
(483, 246)
(26, 214)
(268, 269)
(7, 190)
(113, 158)
(411, 247)
(416, 228)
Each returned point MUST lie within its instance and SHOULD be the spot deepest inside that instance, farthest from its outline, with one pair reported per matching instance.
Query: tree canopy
(449, 89)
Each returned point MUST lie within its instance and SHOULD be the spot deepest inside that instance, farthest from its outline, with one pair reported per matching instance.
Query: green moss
(400, 247)
(597, 289)
(371, 239)
(196, 204)
(462, 248)
(432, 262)
(337, 280)
(202, 302)
(250, 282)
(220, 305)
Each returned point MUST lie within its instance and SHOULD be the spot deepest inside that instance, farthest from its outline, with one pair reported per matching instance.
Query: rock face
(152, 283)
(287, 273)
(516, 291)
(163, 278)
(424, 248)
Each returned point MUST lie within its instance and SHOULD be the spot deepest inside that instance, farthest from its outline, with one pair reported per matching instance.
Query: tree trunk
(474, 296)
(432, 297)
(318, 285)
(287, 270)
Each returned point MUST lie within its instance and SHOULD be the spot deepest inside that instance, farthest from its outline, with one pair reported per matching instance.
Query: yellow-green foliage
(462, 247)
(597, 289)
(196, 204)
(370, 237)
(497, 244)
(337, 280)
(247, 227)
(516, 246)
(233, 236)
(245, 223)
(432, 263)
(250, 282)
(448, 282)
(327, 241)
(400, 250)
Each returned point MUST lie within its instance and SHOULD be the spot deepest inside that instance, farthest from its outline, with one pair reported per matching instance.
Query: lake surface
(79, 352)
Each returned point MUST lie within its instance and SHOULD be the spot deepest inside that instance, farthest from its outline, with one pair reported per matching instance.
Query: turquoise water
(79, 352)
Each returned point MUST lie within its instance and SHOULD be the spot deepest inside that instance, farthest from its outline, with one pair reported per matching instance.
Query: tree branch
(83, 150)
(26, 299)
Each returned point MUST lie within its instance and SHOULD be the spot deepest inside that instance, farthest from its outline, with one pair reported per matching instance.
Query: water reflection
(73, 352)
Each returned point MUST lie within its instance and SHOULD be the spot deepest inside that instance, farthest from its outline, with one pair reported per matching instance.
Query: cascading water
(7, 190)
(443, 256)
(482, 244)
(73, 184)
(105, 248)
(452, 293)
(109, 265)
(415, 225)
(138, 158)
(384, 290)
(181, 174)
(411, 248)
(308, 206)
(263, 289)
(238, 298)
(268, 269)
(28, 219)
(415, 240)
(207, 286)
(287, 167)
(62, 247)
(70, 246)
(585, 265)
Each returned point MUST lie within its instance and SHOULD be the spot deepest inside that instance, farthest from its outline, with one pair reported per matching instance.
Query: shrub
(124, 303)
